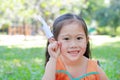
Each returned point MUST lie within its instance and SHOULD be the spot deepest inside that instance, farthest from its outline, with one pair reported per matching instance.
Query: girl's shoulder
(92, 65)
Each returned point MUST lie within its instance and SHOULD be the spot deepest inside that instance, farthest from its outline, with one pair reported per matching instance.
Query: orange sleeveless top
(91, 74)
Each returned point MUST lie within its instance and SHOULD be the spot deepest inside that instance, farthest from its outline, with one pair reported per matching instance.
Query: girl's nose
(73, 44)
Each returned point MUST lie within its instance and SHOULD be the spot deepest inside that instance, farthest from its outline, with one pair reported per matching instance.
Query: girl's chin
(72, 59)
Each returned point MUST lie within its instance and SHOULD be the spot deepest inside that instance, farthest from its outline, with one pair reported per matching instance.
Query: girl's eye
(79, 38)
(66, 38)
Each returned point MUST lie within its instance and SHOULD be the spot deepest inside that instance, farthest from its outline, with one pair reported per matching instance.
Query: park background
(22, 42)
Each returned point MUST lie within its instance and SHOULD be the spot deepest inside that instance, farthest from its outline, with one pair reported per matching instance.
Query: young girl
(68, 52)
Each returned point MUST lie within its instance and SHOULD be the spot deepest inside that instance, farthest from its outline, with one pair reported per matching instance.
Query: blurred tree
(109, 16)
(17, 11)
(89, 9)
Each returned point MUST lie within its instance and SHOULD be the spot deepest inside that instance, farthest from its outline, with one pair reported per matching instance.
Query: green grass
(109, 56)
(20, 63)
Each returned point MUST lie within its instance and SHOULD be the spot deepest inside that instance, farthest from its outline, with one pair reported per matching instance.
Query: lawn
(108, 53)
(25, 60)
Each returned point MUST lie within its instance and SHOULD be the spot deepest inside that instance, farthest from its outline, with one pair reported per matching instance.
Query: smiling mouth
(74, 53)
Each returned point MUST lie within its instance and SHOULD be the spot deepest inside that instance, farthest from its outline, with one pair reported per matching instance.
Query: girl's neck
(79, 62)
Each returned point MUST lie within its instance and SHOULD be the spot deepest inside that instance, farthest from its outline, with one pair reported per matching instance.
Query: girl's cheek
(63, 44)
(63, 48)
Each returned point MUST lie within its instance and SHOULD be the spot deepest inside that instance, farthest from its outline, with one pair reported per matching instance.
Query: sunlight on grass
(38, 61)
(20, 40)
(17, 63)
(99, 40)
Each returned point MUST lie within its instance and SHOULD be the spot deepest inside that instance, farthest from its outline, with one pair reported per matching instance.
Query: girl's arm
(102, 74)
(50, 69)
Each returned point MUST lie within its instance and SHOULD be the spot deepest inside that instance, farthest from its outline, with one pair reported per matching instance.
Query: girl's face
(74, 41)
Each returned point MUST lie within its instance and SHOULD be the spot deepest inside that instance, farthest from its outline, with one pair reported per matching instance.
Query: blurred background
(22, 43)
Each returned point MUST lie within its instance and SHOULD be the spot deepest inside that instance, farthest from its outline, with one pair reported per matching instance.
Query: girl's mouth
(74, 53)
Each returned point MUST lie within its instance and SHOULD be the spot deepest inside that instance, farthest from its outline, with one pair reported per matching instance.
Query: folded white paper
(45, 27)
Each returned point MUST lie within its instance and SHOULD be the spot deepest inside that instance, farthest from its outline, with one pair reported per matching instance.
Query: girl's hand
(54, 48)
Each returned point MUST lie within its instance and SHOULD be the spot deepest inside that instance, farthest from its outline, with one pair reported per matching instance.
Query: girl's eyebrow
(70, 35)
(63, 35)
(81, 34)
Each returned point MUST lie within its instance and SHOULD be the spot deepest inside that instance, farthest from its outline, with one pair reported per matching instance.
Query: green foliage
(5, 26)
(105, 30)
(109, 16)
(118, 30)
(92, 6)
(17, 10)
(105, 14)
